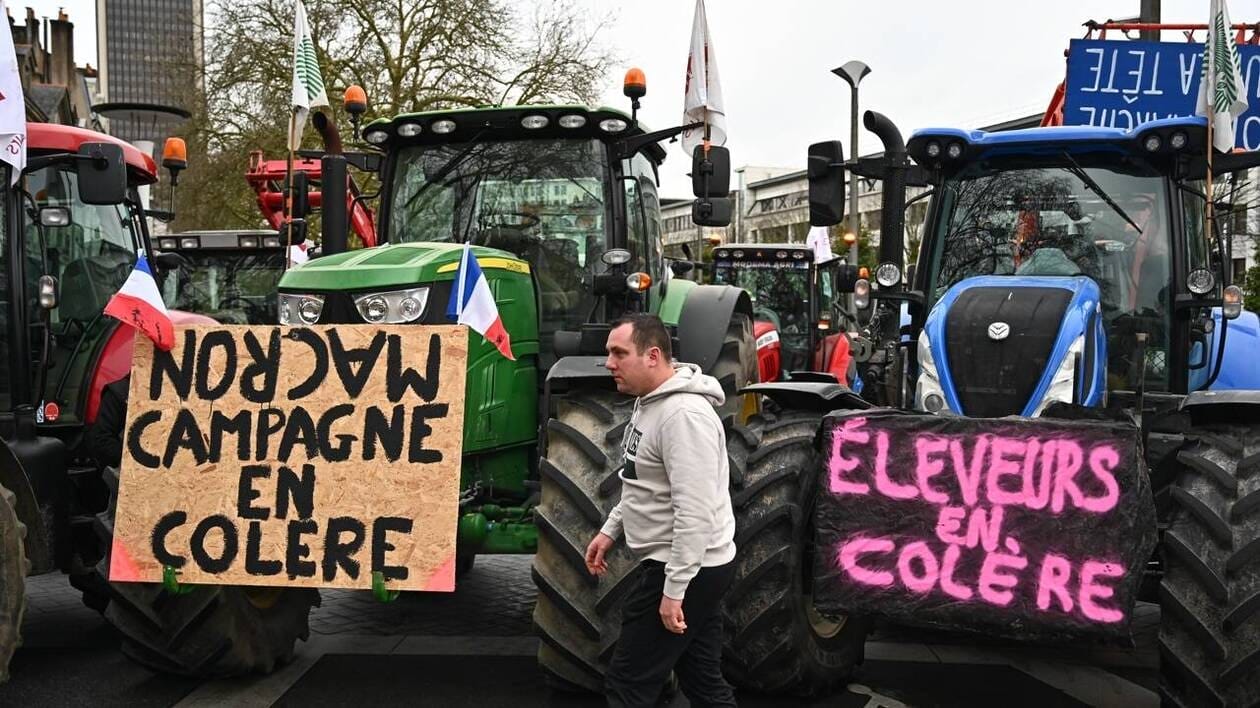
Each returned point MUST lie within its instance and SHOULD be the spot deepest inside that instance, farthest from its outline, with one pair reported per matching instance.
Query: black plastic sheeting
(1023, 528)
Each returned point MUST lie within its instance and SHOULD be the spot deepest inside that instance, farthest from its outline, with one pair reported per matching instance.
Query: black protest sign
(1011, 526)
(308, 457)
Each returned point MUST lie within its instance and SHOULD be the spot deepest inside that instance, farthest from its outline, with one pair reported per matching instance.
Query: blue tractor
(1063, 273)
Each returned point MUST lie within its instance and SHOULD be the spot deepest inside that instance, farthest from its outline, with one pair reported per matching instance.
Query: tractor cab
(559, 203)
(800, 321)
(1064, 264)
(77, 220)
(1085, 246)
(231, 276)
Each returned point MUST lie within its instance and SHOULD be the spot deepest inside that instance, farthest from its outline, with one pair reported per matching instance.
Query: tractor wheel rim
(822, 627)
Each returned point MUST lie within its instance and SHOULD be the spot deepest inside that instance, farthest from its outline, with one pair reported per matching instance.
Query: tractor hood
(390, 266)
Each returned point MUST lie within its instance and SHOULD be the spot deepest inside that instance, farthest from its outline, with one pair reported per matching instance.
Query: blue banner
(1122, 84)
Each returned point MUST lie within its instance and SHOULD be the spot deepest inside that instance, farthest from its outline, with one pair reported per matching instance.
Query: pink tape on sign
(121, 567)
(443, 579)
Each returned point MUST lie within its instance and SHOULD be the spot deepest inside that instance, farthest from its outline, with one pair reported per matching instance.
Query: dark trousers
(647, 652)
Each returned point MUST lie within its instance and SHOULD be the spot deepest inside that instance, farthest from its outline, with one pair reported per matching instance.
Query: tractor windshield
(1064, 220)
(232, 287)
(780, 295)
(542, 200)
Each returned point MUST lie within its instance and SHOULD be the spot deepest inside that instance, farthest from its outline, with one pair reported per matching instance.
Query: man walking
(676, 514)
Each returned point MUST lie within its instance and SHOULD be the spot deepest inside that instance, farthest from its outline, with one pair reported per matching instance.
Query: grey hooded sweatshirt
(675, 506)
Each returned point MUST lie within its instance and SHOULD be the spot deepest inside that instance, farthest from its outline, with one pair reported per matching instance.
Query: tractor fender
(818, 396)
(671, 305)
(36, 516)
(1200, 399)
(1239, 370)
(704, 320)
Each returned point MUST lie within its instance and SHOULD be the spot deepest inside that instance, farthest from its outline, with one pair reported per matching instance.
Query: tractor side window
(91, 257)
(636, 221)
(649, 213)
(1199, 245)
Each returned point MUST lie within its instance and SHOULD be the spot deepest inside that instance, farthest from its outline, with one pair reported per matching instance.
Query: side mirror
(293, 233)
(54, 216)
(711, 212)
(681, 267)
(102, 174)
(846, 277)
(711, 174)
(825, 168)
(169, 260)
(301, 195)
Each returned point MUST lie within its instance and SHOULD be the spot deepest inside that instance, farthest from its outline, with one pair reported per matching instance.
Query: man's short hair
(647, 331)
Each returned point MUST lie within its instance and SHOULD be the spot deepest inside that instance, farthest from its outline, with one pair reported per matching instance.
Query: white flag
(820, 241)
(308, 85)
(1222, 83)
(704, 88)
(12, 107)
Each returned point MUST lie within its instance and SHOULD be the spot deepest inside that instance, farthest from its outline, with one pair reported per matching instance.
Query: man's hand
(672, 615)
(600, 545)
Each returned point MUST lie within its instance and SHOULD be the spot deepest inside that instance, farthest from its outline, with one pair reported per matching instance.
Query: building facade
(55, 88)
(771, 205)
(150, 52)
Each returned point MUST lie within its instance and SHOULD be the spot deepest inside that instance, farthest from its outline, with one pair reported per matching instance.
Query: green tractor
(561, 208)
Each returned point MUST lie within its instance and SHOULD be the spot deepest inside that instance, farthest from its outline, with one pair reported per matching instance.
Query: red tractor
(74, 226)
(800, 320)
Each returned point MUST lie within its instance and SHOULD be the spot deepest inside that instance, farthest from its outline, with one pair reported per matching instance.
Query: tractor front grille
(996, 377)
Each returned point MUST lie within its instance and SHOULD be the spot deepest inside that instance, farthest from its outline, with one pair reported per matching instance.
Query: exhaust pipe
(892, 235)
(333, 177)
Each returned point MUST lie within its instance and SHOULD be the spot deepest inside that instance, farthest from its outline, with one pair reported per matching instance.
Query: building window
(1240, 271)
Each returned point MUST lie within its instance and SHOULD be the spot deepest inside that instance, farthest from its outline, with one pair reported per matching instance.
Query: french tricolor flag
(472, 304)
(139, 304)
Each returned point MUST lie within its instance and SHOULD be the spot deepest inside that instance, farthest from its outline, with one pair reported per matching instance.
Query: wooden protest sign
(306, 457)
(1016, 527)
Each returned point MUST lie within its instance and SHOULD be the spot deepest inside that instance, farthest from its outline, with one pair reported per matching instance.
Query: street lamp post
(853, 72)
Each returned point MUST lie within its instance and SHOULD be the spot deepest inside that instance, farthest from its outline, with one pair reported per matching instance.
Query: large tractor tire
(212, 631)
(577, 616)
(1209, 631)
(736, 366)
(13, 568)
(776, 642)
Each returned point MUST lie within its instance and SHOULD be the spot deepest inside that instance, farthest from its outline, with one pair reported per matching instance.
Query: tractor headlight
(300, 309)
(1063, 385)
(394, 307)
(928, 394)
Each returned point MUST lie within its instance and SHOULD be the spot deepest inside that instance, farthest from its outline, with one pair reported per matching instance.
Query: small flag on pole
(308, 85)
(473, 304)
(12, 107)
(1222, 90)
(139, 304)
(704, 88)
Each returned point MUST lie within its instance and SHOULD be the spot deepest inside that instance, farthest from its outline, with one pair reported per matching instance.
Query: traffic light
(850, 238)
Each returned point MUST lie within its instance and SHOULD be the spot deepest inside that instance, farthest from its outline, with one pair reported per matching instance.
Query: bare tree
(409, 56)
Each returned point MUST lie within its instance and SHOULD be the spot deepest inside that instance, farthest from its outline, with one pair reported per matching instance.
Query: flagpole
(288, 200)
(1209, 213)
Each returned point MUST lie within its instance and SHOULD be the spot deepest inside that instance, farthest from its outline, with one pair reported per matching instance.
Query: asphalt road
(475, 646)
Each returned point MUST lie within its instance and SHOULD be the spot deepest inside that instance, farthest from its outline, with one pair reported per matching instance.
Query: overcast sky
(965, 63)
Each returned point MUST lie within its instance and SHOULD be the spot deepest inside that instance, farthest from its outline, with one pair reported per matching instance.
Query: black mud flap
(1015, 527)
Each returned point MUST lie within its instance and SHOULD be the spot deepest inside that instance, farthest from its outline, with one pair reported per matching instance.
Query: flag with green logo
(1222, 91)
(308, 85)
